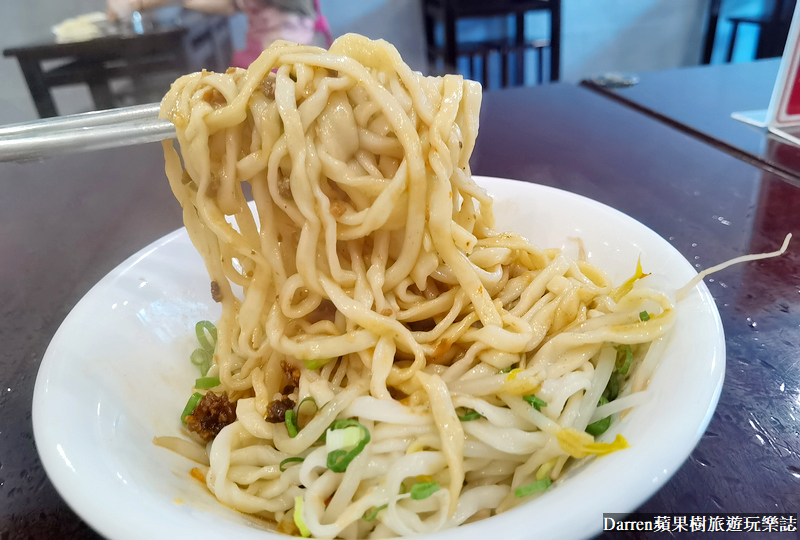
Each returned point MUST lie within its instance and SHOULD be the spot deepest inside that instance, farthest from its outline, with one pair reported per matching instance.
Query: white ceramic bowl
(117, 373)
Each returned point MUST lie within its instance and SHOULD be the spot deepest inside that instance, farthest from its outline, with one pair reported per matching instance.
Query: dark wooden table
(699, 101)
(68, 221)
(191, 43)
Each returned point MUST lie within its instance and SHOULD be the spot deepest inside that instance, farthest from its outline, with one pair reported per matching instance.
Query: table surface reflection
(70, 220)
(700, 100)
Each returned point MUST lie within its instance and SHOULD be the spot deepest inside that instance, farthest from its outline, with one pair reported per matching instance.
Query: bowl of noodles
(379, 344)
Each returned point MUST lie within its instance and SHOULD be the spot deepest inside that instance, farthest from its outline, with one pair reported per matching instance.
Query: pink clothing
(321, 24)
(267, 24)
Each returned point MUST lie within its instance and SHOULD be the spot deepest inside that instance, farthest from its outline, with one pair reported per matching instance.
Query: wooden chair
(448, 12)
(773, 25)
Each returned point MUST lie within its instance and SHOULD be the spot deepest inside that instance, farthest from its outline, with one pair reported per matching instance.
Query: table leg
(40, 92)
(732, 42)
(519, 51)
(540, 64)
(485, 65)
(450, 44)
(772, 39)
(223, 49)
(711, 31)
(555, 40)
(101, 93)
(504, 60)
(430, 41)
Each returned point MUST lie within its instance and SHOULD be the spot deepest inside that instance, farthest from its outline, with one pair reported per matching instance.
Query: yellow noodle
(373, 268)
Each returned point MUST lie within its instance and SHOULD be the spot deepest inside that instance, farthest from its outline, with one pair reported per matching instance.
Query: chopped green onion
(596, 429)
(644, 316)
(612, 388)
(535, 402)
(191, 405)
(341, 424)
(206, 382)
(507, 369)
(469, 415)
(536, 487)
(343, 439)
(423, 490)
(306, 410)
(624, 358)
(291, 423)
(335, 460)
(316, 363)
(285, 462)
(310, 400)
(202, 359)
(370, 515)
(339, 458)
(298, 517)
(200, 330)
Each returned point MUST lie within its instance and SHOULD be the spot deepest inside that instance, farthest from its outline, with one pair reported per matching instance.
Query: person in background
(267, 20)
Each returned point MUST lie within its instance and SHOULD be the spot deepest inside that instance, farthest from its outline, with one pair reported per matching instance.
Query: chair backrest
(510, 50)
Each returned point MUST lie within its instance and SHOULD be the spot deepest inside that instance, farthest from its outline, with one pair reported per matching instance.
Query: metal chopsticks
(83, 132)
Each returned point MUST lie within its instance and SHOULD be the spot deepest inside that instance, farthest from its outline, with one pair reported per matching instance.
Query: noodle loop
(371, 281)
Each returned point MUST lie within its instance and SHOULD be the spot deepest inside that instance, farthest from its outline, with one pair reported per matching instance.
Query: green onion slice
(536, 487)
(370, 515)
(535, 402)
(316, 363)
(339, 458)
(285, 462)
(306, 411)
(200, 330)
(601, 426)
(612, 388)
(507, 369)
(644, 316)
(206, 382)
(341, 424)
(202, 359)
(469, 415)
(298, 517)
(624, 358)
(291, 423)
(191, 405)
(423, 490)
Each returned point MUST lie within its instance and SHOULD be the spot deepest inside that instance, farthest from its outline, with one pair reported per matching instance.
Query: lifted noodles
(454, 369)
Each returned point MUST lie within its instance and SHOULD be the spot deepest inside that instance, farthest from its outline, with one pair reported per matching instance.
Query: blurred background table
(68, 221)
(193, 42)
(699, 101)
